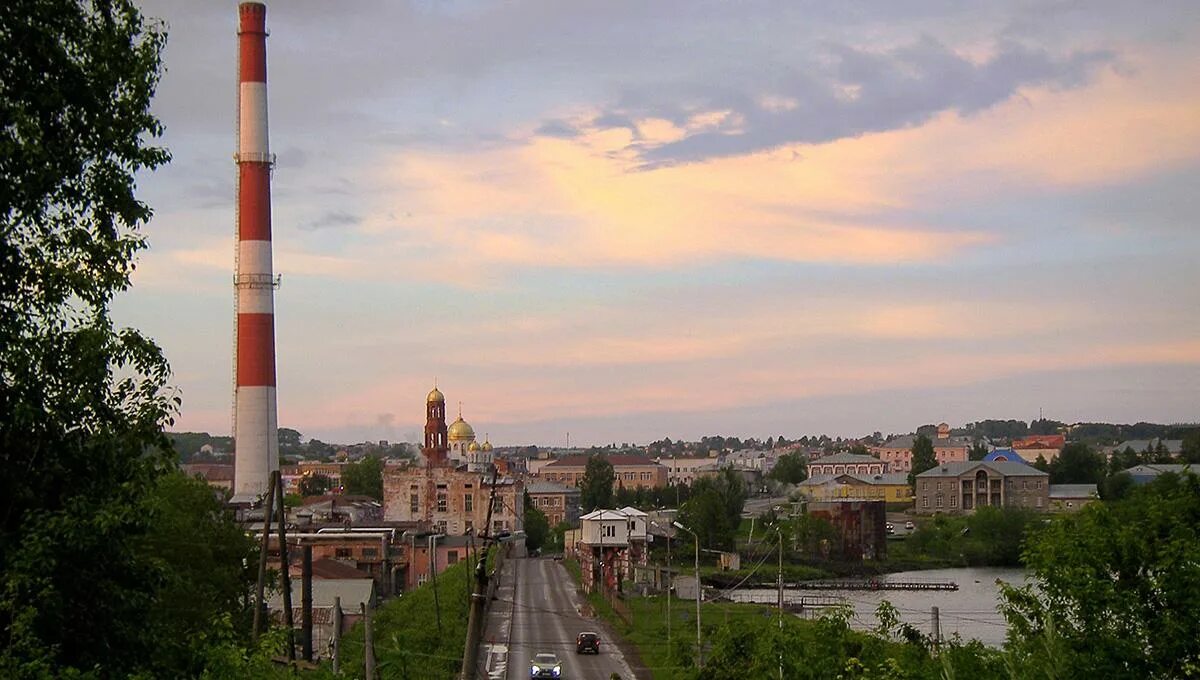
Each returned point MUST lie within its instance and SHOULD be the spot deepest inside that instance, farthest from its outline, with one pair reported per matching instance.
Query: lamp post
(668, 585)
(699, 654)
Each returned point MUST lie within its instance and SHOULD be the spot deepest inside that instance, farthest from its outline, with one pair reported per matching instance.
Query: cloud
(333, 219)
(844, 92)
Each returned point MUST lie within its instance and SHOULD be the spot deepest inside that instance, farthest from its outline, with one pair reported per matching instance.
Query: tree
(596, 486)
(791, 468)
(537, 526)
(364, 478)
(714, 511)
(82, 403)
(315, 485)
(1190, 451)
(208, 570)
(1077, 464)
(1115, 586)
(923, 457)
(978, 451)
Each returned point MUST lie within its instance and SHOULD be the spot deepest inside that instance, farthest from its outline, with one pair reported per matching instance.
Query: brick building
(631, 472)
(848, 463)
(559, 502)
(897, 452)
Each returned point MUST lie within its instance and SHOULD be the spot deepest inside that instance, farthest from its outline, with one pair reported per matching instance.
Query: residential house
(961, 487)
(451, 500)
(687, 469)
(897, 451)
(218, 475)
(860, 525)
(1072, 497)
(608, 545)
(352, 594)
(1148, 472)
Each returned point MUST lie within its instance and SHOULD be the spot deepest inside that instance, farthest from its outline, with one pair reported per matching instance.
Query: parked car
(909, 525)
(545, 666)
(587, 641)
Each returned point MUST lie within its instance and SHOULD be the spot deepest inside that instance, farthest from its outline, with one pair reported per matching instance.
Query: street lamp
(699, 654)
(668, 537)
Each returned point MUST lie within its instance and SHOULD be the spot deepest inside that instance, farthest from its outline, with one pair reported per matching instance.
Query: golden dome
(487, 445)
(473, 446)
(459, 430)
(435, 397)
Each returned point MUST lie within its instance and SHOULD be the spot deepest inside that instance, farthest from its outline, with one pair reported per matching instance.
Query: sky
(634, 220)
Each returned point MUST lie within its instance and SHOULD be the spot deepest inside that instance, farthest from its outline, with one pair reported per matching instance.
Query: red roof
(615, 459)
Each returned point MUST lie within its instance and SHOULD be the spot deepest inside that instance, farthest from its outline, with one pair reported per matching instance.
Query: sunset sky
(633, 220)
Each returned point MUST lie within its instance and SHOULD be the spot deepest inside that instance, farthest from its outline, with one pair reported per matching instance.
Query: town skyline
(856, 221)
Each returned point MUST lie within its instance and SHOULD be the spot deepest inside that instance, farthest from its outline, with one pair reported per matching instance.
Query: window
(497, 526)
(342, 553)
(452, 557)
(370, 553)
(441, 525)
(1039, 501)
(422, 579)
(470, 526)
(608, 531)
(953, 501)
(924, 501)
(414, 502)
(939, 500)
(443, 503)
(469, 502)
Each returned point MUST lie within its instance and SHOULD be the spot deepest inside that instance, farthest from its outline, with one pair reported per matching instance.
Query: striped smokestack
(255, 422)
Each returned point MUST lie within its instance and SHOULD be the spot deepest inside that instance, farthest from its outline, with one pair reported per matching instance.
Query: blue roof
(1005, 455)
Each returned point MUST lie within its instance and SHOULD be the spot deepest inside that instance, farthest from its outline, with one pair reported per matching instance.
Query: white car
(908, 525)
(545, 666)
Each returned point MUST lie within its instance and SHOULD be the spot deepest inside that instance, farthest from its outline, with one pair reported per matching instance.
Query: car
(890, 528)
(909, 525)
(587, 641)
(545, 666)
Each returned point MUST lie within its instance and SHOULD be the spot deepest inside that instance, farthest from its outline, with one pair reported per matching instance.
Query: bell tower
(436, 444)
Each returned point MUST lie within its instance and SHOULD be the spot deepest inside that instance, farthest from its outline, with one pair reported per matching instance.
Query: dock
(872, 584)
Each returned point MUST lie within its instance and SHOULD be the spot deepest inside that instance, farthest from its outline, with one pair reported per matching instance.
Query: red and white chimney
(255, 421)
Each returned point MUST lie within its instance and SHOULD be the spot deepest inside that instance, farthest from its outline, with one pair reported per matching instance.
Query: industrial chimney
(255, 422)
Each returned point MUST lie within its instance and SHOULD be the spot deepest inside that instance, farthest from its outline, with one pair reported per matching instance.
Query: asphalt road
(537, 611)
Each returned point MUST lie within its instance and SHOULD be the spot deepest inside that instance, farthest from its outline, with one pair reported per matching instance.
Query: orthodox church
(454, 445)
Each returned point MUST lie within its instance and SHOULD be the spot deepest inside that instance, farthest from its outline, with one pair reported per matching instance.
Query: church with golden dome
(454, 445)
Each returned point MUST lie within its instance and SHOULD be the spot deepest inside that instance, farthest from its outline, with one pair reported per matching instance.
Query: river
(969, 611)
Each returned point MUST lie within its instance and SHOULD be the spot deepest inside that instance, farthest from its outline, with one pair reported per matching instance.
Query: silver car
(545, 666)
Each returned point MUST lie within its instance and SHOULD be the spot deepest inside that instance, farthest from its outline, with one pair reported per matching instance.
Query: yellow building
(890, 488)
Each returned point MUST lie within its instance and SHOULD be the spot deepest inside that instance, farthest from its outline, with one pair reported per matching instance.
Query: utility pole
(437, 607)
(284, 567)
(259, 605)
(699, 649)
(306, 602)
(478, 599)
(937, 628)
(368, 642)
(668, 595)
(337, 635)
(780, 532)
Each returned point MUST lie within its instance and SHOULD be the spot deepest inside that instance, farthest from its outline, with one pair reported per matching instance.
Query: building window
(924, 501)
(497, 526)
(370, 553)
(342, 553)
(1039, 501)
(953, 501)
(443, 503)
(441, 525)
(470, 526)
(608, 531)
(939, 500)
(414, 502)
(422, 579)
(469, 502)
(452, 557)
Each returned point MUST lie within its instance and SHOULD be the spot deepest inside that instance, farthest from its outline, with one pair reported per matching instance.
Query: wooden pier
(872, 584)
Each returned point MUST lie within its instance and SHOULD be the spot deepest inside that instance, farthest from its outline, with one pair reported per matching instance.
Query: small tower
(435, 428)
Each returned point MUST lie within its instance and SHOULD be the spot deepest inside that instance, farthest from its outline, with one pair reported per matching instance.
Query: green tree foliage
(364, 478)
(207, 569)
(923, 457)
(82, 403)
(714, 511)
(791, 468)
(596, 486)
(1077, 463)
(537, 526)
(1190, 452)
(1116, 586)
(315, 485)
(1046, 426)
(990, 536)
(978, 451)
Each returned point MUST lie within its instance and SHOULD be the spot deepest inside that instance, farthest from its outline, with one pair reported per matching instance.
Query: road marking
(497, 663)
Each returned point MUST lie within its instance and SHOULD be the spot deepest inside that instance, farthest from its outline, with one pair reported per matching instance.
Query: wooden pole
(284, 567)
(337, 635)
(937, 628)
(259, 605)
(306, 602)
(369, 642)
